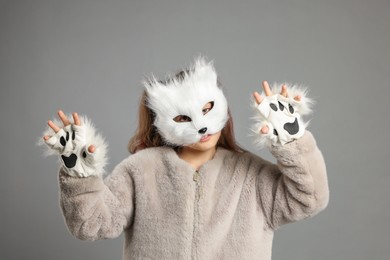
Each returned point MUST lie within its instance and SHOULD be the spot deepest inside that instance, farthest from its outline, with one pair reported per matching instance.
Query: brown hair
(147, 134)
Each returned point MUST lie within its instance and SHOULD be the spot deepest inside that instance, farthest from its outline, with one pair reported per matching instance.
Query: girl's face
(207, 141)
(191, 110)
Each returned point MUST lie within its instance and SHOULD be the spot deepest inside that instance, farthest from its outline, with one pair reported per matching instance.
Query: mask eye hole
(182, 119)
(208, 107)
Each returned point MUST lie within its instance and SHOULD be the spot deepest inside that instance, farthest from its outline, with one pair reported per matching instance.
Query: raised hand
(268, 92)
(75, 143)
(280, 115)
(66, 122)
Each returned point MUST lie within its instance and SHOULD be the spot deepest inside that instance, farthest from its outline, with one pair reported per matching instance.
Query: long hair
(147, 135)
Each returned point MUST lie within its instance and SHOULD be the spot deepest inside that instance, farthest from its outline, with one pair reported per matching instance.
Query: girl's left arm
(296, 187)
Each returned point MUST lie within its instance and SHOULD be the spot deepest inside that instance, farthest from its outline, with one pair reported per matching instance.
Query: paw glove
(282, 115)
(71, 144)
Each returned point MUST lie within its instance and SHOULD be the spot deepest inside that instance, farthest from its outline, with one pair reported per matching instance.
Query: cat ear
(204, 70)
(151, 85)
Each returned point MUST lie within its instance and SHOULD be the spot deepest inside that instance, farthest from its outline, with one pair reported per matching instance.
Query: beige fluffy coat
(228, 210)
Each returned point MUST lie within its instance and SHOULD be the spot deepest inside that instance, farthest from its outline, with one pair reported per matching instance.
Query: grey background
(90, 56)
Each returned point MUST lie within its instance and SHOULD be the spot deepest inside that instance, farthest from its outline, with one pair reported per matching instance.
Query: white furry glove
(282, 116)
(71, 142)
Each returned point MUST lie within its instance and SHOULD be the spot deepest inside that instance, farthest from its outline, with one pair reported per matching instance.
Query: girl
(188, 191)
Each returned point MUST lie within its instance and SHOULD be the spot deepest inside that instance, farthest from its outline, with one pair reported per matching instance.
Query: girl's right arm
(96, 209)
(93, 208)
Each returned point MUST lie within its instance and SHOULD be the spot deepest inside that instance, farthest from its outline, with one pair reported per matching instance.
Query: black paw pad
(70, 161)
(274, 108)
(290, 108)
(292, 128)
(281, 107)
(62, 141)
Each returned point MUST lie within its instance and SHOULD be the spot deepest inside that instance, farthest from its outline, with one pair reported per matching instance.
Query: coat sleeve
(296, 187)
(94, 208)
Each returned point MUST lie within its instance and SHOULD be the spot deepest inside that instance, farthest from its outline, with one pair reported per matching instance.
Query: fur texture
(282, 115)
(229, 212)
(71, 144)
(187, 97)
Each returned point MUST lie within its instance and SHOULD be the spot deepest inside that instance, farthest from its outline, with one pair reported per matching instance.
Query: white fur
(276, 120)
(85, 135)
(304, 106)
(187, 97)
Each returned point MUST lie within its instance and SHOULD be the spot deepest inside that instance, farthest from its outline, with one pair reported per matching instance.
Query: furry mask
(178, 104)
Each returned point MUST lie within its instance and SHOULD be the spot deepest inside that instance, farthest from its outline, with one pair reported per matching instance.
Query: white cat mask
(186, 96)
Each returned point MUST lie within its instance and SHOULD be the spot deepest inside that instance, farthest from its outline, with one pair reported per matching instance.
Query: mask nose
(203, 130)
